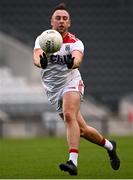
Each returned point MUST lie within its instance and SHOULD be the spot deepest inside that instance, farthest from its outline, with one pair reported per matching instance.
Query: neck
(63, 34)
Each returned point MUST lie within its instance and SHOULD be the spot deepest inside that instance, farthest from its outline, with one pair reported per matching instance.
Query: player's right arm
(39, 57)
(36, 56)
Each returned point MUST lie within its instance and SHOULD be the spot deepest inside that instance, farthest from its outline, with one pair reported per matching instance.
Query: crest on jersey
(67, 48)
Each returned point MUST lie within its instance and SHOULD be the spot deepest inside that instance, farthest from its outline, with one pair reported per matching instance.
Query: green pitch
(39, 159)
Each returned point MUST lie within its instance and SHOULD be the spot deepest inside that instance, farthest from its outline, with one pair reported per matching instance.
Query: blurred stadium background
(106, 28)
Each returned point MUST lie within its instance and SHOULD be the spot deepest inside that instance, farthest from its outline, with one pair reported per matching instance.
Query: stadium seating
(17, 97)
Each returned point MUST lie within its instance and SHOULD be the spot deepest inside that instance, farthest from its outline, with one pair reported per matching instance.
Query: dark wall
(105, 27)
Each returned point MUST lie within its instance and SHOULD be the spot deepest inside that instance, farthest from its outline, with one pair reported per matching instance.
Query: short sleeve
(78, 45)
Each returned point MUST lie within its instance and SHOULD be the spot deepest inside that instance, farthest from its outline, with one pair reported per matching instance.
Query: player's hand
(69, 61)
(43, 60)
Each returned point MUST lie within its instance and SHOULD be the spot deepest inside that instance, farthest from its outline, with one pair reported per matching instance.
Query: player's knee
(68, 116)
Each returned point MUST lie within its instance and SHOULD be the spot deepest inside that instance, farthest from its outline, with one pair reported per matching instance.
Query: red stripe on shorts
(80, 86)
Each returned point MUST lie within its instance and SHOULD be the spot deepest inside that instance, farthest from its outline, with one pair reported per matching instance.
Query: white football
(50, 41)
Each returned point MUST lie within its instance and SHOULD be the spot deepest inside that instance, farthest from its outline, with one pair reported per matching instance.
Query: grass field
(39, 159)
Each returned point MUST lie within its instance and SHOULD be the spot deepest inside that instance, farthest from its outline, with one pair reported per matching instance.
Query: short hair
(61, 6)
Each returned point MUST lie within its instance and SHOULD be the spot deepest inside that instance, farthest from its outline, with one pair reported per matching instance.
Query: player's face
(60, 21)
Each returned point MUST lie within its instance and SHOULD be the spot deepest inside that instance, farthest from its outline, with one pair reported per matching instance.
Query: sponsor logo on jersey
(57, 59)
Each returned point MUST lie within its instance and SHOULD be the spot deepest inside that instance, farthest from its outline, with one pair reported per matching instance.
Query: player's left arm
(78, 58)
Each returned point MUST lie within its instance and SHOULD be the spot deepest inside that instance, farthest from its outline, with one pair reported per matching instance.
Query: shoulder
(70, 38)
(72, 43)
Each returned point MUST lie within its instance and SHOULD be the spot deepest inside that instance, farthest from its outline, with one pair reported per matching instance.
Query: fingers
(43, 60)
(40, 56)
(73, 58)
(43, 55)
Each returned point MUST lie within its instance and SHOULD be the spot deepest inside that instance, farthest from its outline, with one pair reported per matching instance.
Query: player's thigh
(71, 102)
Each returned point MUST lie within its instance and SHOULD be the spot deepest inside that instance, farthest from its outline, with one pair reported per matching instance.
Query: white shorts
(75, 85)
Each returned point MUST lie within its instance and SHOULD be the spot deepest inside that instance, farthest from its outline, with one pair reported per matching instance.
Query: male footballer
(64, 87)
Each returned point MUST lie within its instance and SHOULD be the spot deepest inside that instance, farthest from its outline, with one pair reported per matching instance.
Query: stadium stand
(22, 107)
(17, 97)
